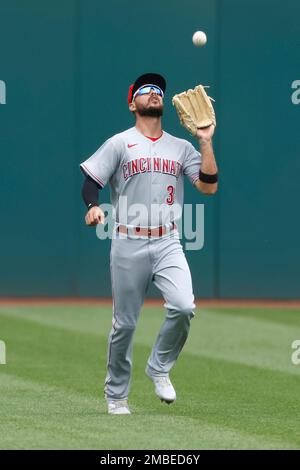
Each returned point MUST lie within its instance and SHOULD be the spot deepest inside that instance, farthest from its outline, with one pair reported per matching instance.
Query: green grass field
(236, 386)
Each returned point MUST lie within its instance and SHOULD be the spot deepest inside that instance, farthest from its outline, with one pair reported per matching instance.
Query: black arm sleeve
(89, 192)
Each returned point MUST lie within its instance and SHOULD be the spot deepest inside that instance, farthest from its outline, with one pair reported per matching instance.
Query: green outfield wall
(65, 67)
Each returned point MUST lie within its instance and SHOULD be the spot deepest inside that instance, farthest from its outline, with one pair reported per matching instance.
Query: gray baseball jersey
(144, 172)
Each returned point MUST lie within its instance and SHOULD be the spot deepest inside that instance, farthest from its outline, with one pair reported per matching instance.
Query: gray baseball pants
(135, 262)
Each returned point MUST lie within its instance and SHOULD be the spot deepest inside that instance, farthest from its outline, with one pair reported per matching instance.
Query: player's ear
(132, 107)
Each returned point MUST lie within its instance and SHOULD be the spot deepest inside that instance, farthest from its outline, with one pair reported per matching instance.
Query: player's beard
(151, 111)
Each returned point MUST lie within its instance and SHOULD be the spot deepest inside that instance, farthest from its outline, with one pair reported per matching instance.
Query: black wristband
(210, 179)
(92, 204)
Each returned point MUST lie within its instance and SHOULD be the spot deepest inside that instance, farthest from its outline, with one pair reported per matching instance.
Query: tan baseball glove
(194, 109)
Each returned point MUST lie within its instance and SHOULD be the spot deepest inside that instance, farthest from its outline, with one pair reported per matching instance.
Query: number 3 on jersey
(170, 198)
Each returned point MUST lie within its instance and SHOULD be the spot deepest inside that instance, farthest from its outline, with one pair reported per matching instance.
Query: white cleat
(118, 407)
(163, 388)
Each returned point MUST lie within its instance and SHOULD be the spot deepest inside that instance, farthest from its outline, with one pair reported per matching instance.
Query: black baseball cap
(147, 79)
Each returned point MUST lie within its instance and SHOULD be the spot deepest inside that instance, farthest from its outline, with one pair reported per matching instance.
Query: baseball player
(144, 167)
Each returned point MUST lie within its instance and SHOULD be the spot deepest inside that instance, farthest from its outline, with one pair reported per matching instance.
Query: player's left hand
(206, 133)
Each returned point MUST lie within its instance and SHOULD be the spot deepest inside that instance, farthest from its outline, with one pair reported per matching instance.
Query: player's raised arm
(197, 115)
(208, 175)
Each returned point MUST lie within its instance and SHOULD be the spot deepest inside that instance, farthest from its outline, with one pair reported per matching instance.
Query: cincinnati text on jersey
(148, 164)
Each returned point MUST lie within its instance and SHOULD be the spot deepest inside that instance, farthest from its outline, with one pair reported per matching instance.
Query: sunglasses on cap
(145, 89)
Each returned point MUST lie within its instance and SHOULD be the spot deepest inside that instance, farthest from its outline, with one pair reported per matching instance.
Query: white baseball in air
(199, 38)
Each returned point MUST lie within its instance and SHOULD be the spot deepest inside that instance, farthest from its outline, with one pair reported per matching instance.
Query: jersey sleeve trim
(87, 171)
(195, 177)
